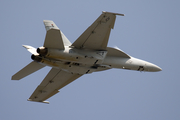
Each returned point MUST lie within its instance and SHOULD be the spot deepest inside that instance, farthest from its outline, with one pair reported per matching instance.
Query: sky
(150, 30)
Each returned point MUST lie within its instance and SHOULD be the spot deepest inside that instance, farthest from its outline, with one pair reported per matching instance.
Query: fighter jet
(89, 53)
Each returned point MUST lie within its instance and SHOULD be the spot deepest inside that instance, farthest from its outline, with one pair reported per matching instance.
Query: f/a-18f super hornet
(89, 53)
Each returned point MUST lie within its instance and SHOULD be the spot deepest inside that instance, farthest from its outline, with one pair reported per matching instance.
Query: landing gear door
(100, 55)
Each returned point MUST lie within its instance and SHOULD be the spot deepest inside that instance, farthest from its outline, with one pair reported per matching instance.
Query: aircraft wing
(96, 36)
(55, 80)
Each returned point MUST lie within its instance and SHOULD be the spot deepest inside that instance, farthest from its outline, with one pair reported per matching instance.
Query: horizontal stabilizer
(31, 49)
(30, 68)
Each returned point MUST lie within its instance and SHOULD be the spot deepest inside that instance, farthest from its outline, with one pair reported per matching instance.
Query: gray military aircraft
(89, 53)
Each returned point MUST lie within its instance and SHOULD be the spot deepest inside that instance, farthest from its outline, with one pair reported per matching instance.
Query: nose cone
(156, 68)
(152, 67)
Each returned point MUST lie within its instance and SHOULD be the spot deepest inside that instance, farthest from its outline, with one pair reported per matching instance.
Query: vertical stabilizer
(51, 25)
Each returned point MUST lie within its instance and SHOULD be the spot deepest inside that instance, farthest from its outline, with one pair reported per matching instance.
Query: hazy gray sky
(150, 31)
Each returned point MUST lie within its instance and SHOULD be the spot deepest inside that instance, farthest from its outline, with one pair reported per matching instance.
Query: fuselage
(131, 64)
(83, 61)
